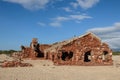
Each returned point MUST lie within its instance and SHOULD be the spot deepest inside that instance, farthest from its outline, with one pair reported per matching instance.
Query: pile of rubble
(14, 61)
(15, 64)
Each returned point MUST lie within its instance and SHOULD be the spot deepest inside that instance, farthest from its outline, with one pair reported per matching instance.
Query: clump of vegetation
(116, 53)
(7, 52)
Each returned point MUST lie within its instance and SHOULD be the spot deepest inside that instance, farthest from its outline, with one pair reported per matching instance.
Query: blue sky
(56, 20)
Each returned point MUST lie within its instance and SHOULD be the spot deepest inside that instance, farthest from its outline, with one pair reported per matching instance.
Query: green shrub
(8, 52)
(116, 53)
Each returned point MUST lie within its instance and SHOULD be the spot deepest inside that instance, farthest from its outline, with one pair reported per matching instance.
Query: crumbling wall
(26, 52)
(44, 46)
(88, 48)
(35, 50)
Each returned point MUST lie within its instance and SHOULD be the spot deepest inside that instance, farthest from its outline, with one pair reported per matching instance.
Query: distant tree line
(116, 53)
(7, 51)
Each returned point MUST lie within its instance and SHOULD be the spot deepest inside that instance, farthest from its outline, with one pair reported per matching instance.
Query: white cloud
(30, 4)
(55, 24)
(85, 4)
(61, 18)
(114, 43)
(110, 34)
(67, 9)
(41, 24)
(40, 4)
(110, 29)
(77, 18)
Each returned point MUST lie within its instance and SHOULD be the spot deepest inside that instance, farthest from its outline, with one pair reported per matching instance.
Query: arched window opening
(66, 56)
(105, 55)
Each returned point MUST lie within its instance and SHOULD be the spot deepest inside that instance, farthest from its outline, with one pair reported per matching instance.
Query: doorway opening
(105, 53)
(87, 56)
(46, 56)
(40, 54)
(66, 56)
(53, 57)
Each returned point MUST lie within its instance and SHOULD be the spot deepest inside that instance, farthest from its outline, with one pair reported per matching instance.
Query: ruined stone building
(35, 50)
(83, 50)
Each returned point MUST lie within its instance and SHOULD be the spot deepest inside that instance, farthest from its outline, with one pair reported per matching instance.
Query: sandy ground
(45, 70)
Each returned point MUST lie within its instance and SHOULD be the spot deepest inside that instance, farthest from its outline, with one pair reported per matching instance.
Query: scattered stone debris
(14, 61)
(117, 64)
(15, 64)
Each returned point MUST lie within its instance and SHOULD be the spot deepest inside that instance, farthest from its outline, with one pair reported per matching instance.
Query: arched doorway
(87, 56)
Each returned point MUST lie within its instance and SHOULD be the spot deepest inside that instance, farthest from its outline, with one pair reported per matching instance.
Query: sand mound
(4, 57)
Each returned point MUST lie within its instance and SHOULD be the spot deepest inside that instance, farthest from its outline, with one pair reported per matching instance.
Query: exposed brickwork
(35, 50)
(87, 49)
(84, 50)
